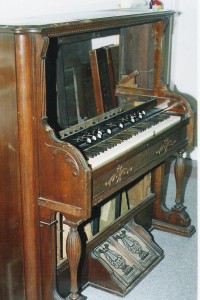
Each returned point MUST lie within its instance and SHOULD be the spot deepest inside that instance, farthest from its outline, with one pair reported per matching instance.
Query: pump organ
(77, 143)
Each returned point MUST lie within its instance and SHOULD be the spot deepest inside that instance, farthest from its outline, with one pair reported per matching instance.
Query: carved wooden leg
(179, 171)
(177, 219)
(73, 249)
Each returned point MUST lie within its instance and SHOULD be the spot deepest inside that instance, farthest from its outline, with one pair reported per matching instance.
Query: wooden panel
(27, 53)
(137, 49)
(66, 168)
(11, 233)
(103, 79)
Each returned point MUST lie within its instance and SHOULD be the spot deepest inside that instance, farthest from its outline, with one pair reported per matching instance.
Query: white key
(120, 149)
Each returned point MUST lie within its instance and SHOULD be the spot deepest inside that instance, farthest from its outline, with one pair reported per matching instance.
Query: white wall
(40, 7)
(184, 51)
(184, 47)
(184, 64)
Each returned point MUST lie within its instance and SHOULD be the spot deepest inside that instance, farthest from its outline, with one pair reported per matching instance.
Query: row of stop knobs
(108, 129)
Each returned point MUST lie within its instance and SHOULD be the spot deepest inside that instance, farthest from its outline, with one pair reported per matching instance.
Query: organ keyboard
(68, 149)
(114, 133)
(132, 139)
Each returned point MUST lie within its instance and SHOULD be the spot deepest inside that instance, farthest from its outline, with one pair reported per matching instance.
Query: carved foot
(80, 297)
(175, 220)
(176, 229)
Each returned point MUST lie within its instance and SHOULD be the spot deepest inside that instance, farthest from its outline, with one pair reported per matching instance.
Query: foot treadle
(124, 259)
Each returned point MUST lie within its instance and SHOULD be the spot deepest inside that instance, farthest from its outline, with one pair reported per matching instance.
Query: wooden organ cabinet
(85, 131)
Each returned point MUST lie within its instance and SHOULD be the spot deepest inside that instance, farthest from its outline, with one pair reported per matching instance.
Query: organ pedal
(122, 260)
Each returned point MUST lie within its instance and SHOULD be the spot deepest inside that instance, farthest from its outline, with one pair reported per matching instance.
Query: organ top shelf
(51, 24)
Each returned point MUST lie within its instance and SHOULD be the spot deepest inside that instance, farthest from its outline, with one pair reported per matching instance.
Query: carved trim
(45, 47)
(117, 177)
(89, 25)
(167, 143)
(131, 243)
(69, 158)
(123, 270)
